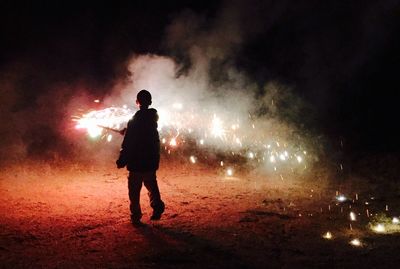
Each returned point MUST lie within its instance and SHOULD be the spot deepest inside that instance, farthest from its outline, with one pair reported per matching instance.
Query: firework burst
(201, 132)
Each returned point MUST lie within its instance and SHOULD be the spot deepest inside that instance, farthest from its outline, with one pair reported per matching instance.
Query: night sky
(341, 57)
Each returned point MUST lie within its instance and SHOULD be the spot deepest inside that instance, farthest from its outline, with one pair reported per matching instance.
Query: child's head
(143, 98)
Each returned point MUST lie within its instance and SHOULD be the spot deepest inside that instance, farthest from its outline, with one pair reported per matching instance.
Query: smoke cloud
(197, 67)
(204, 80)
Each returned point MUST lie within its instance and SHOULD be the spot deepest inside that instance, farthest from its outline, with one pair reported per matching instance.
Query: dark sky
(342, 57)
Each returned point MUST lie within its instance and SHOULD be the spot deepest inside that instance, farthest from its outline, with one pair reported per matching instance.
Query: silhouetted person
(140, 152)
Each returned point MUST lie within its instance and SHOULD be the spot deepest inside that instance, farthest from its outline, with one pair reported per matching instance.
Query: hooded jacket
(140, 150)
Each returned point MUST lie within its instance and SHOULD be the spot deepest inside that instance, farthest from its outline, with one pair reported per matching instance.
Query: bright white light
(251, 155)
(355, 242)
(379, 228)
(229, 172)
(341, 198)
(111, 117)
(201, 141)
(172, 142)
(272, 159)
(109, 137)
(192, 159)
(299, 159)
(94, 131)
(327, 235)
(282, 157)
(395, 220)
(235, 127)
(217, 128)
(177, 106)
(352, 216)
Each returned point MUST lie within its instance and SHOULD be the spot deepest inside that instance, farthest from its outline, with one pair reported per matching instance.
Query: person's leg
(150, 182)
(134, 187)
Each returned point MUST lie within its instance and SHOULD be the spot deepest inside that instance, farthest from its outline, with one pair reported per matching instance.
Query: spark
(192, 159)
(379, 228)
(356, 242)
(172, 142)
(217, 128)
(229, 172)
(205, 127)
(327, 235)
(395, 220)
(94, 131)
(112, 117)
(341, 198)
(352, 216)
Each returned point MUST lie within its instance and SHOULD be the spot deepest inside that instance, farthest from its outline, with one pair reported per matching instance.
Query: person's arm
(126, 144)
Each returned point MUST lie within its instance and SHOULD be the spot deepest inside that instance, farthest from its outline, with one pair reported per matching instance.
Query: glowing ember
(341, 198)
(352, 216)
(379, 228)
(327, 235)
(356, 242)
(217, 129)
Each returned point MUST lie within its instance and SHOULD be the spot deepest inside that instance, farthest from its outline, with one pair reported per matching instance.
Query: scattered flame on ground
(328, 235)
(379, 228)
(356, 242)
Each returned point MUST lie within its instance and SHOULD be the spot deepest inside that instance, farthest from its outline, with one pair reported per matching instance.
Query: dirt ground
(75, 216)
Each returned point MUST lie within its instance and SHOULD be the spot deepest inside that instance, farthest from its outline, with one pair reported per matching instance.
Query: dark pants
(149, 179)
